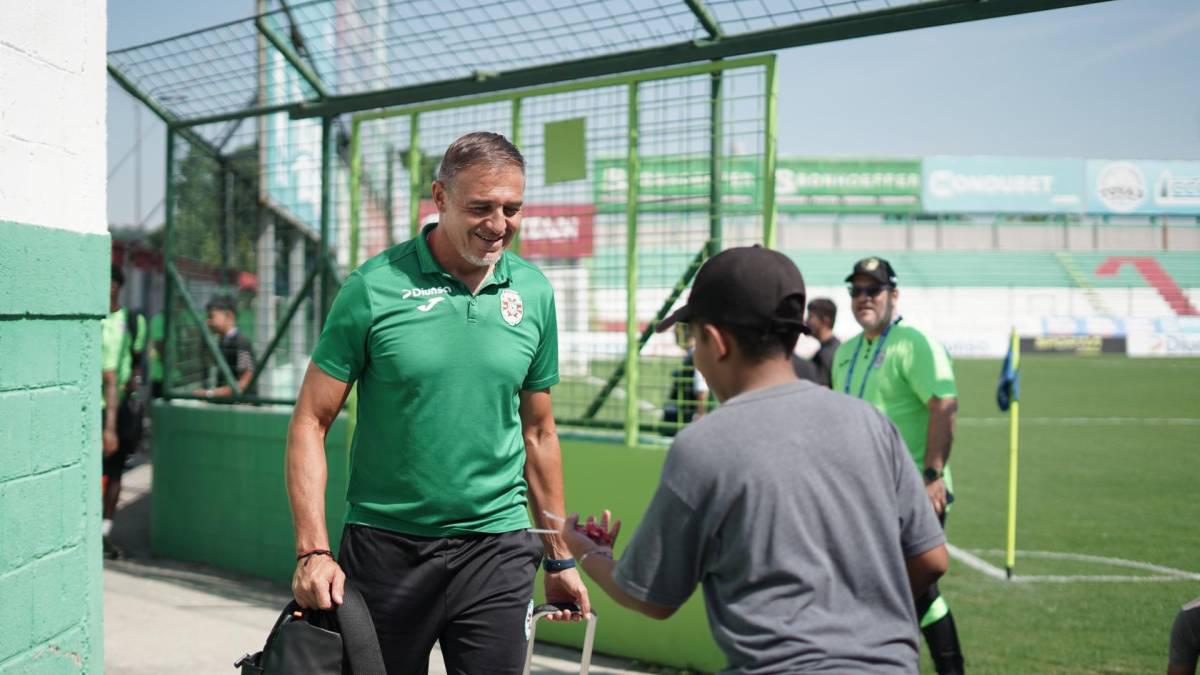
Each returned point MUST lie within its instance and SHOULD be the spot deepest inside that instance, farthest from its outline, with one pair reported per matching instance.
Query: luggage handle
(585, 661)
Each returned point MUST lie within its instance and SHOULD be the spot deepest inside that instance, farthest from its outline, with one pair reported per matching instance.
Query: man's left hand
(567, 586)
(937, 495)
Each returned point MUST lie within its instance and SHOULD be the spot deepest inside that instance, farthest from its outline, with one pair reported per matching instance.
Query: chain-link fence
(695, 138)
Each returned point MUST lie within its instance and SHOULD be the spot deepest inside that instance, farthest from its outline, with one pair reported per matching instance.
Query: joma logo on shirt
(425, 292)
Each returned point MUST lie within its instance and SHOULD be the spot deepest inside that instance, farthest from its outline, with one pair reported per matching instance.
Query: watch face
(932, 474)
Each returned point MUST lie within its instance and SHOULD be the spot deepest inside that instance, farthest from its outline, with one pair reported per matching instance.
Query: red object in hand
(595, 533)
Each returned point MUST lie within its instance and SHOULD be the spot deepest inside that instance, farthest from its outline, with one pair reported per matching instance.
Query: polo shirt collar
(429, 265)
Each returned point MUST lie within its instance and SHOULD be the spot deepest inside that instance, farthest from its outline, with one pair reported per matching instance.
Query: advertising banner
(1078, 345)
(679, 184)
(1164, 344)
(547, 230)
(802, 185)
(1143, 187)
(847, 185)
(1002, 185)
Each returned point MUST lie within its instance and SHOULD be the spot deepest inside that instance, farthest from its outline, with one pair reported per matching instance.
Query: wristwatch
(558, 565)
(931, 474)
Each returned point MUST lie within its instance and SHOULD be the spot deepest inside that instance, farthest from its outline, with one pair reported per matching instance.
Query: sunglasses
(869, 291)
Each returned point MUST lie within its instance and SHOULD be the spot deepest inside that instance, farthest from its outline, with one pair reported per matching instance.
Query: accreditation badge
(511, 307)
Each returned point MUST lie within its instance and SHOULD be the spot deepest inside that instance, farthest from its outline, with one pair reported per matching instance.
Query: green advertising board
(679, 184)
(802, 185)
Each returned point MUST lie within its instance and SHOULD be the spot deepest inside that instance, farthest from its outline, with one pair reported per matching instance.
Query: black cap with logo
(750, 286)
(877, 268)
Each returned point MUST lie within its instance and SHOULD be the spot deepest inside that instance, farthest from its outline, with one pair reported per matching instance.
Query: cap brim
(682, 314)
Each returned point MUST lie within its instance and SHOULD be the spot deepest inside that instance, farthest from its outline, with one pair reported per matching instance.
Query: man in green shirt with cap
(908, 376)
(453, 344)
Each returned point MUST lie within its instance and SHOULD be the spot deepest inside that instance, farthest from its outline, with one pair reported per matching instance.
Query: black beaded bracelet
(558, 565)
(320, 551)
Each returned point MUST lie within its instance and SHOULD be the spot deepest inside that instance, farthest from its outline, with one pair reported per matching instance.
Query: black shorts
(473, 594)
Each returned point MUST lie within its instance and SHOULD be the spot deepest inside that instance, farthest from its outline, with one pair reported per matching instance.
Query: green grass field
(1109, 467)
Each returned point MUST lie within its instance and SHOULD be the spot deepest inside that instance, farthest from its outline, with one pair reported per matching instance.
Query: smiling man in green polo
(453, 344)
(908, 376)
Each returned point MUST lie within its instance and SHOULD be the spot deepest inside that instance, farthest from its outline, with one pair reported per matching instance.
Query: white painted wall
(52, 113)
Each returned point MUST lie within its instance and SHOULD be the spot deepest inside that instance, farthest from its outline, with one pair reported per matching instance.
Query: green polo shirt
(910, 369)
(437, 448)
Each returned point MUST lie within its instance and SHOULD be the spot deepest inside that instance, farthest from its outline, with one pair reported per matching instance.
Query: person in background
(908, 376)
(822, 314)
(156, 356)
(122, 341)
(235, 347)
(687, 398)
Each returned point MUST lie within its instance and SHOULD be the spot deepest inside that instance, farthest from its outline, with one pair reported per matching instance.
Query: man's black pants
(474, 594)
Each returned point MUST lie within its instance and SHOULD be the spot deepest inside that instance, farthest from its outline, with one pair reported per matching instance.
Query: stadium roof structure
(353, 55)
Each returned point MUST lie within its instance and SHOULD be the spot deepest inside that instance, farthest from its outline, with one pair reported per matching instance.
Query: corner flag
(1008, 388)
(1007, 397)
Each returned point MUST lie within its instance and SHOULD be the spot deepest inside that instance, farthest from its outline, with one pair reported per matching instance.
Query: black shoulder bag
(341, 641)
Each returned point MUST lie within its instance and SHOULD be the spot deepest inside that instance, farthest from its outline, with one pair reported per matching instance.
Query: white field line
(970, 559)
(1081, 421)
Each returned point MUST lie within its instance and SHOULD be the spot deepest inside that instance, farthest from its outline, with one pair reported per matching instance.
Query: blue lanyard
(862, 388)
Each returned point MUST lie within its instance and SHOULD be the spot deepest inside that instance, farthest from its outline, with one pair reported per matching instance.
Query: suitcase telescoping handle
(585, 662)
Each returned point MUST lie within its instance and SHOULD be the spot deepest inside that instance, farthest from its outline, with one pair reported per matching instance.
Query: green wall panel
(219, 493)
(219, 498)
(53, 292)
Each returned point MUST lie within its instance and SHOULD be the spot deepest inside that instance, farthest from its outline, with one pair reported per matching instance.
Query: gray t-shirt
(1185, 635)
(795, 507)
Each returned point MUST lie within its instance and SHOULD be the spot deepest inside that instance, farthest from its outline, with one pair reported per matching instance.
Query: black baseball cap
(877, 268)
(750, 286)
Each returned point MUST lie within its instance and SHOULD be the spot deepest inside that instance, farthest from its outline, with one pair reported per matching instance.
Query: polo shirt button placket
(473, 310)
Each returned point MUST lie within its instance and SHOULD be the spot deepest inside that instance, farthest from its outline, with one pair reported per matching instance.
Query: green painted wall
(51, 585)
(219, 494)
(219, 498)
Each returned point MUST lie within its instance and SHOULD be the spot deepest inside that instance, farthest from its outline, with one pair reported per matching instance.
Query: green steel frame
(561, 76)
(628, 369)
(892, 20)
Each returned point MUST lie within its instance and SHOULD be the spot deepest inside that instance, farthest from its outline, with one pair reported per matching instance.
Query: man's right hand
(111, 442)
(318, 582)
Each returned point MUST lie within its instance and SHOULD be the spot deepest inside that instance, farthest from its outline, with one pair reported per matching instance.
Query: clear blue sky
(1111, 80)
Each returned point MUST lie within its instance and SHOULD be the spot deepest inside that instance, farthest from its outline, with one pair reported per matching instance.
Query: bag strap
(358, 633)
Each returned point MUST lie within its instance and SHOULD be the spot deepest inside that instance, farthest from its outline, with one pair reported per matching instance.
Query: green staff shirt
(116, 348)
(911, 369)
(437, 448)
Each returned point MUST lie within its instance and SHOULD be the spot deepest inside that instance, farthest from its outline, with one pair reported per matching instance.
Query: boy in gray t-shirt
(798, 509)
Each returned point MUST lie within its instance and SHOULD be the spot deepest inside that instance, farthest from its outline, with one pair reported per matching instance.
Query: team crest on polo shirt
(511, 307)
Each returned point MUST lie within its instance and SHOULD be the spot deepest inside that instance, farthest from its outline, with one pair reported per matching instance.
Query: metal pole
(515, 247)
(769, 163)
(226, 222)
(137, 164)
(168, 280)
(715, 146)
(355, 189)
(326, 215)
(633, 173)
(414, 176)
(389, 200)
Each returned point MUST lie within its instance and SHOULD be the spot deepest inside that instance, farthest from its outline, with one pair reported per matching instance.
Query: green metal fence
(591, 147)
